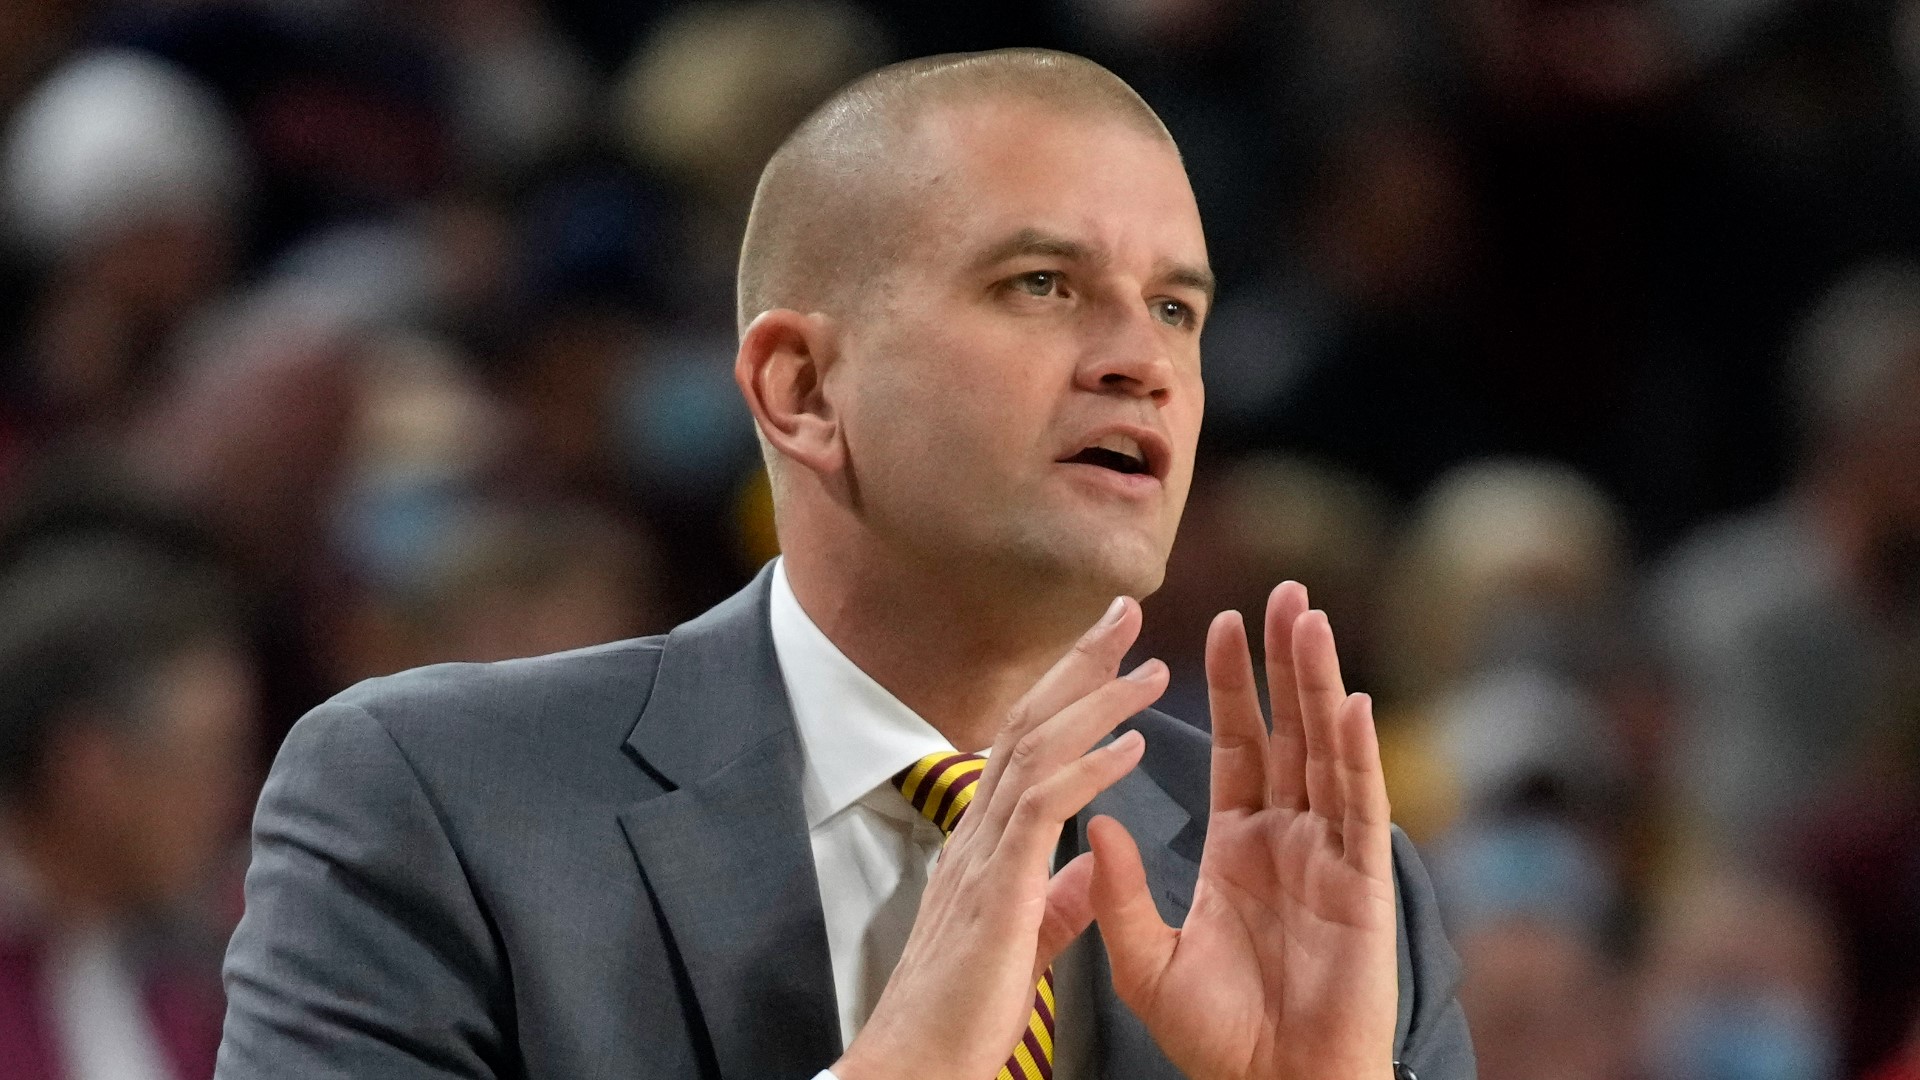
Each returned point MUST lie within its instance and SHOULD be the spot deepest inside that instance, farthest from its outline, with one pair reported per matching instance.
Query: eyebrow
(1032, 241)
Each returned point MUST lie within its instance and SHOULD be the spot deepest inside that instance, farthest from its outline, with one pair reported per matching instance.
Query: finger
(1062, 741)
(1139, 944)
(1069, 910)
(1287, 746)
(1239, 732)
(1367, 829)
(1317, 669)
(1033, 832)
(1093, 660)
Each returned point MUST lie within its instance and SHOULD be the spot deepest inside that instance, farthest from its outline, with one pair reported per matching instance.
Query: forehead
(991, 168)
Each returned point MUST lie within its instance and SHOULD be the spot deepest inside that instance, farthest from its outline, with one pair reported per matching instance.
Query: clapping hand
(1285, 968)
(994, 914)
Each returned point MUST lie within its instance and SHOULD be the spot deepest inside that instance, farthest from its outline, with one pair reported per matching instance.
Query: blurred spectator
(126, 711)
(713, 92)
(251, 436)
(1526, 861)
(506, 580)
(114, 138)
(423, 444)
(251, 440)
(1507, 561)
(124, 177)
(1543, 1003)
(527, 581)
(1786, 627)
(1519, 736)
(1503, 648)
(1740, 981)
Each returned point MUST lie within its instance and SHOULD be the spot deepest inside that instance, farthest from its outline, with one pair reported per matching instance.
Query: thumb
(1139, 944)
(1069, 910)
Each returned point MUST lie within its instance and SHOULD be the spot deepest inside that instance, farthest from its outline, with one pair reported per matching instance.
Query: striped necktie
(940, 786)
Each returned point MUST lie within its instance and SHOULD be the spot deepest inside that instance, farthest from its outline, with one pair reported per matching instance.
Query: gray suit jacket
(595, 865)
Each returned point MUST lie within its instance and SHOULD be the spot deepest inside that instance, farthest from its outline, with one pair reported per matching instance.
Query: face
(1021, 395)
(182, 776)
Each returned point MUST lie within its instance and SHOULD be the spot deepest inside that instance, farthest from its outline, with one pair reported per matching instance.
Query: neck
(957, 653)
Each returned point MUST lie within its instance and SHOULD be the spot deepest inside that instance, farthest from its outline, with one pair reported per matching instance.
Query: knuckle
(1032, 804)
(1028, 752)
(1234, 743)
(1086, 648)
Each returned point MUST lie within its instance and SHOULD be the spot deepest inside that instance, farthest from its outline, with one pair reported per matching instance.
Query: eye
(1039, 282)
(1173, 312)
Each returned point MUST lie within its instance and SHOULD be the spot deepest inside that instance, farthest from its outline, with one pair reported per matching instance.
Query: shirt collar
(854, 734)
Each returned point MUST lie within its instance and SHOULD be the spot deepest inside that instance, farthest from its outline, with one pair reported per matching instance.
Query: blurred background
(1568, 350)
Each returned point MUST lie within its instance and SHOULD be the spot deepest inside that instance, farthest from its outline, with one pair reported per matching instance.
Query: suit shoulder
(485, 701)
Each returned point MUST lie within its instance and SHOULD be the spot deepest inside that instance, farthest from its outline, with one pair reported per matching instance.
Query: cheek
(1183, 419)
(938, 408)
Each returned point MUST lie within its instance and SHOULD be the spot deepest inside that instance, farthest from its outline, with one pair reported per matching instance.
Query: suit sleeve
(363, 951)
(1432, 1038)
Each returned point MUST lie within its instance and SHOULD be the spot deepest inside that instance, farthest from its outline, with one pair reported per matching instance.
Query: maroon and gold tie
(940, 786)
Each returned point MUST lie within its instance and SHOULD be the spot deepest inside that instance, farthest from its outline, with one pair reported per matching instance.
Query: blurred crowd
(1568, 351)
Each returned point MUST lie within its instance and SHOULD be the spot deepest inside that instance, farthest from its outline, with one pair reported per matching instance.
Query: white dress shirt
(93, 997)
(99, 1012)
(872, 852)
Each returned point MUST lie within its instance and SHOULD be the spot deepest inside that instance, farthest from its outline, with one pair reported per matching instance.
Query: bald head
(835, 204)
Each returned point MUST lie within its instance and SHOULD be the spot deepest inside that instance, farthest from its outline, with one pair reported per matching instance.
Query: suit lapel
(726, 857)
(725, 852)
(1168, 836)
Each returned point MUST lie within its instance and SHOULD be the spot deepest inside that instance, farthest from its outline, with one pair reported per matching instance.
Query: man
(971, 293)
(1790, 628)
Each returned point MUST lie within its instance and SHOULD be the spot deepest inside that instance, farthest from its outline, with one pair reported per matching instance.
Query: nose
(1129, 357)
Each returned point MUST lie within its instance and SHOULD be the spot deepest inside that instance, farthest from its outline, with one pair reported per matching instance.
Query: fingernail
(1125, 741)
(1114, 611)
(1146, 671)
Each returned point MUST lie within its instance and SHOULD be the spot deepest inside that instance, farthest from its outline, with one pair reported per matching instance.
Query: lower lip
(1130, 484)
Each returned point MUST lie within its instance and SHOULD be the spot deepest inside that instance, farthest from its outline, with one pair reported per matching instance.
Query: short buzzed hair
(822, 220)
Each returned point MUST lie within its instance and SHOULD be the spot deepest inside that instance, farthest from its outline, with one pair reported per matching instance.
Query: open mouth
(1120, 461)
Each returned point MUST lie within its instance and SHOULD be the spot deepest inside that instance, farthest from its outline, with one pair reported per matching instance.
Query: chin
(1121, 564)
(1141, 583)
(1050, 555)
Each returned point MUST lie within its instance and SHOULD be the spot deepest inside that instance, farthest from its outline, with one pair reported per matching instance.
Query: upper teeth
(1121, 444)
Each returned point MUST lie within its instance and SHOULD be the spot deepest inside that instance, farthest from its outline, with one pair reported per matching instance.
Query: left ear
(781, 371)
